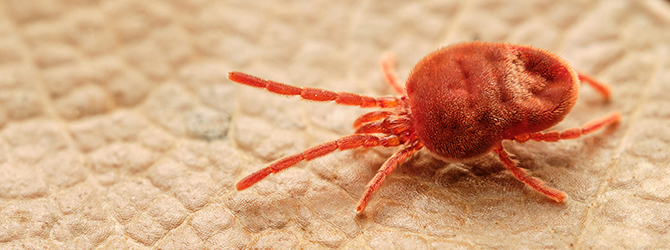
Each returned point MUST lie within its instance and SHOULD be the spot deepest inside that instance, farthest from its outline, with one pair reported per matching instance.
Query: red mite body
(466, 98)
(461, 102)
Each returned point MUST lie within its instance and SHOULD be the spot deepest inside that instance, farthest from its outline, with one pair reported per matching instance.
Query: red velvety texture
(466, 98)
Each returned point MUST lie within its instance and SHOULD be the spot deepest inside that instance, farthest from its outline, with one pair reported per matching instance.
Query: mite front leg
(371, 117)
(521, 175)
(314, 94)
(344, 143)
(386, 169)
(387, 64)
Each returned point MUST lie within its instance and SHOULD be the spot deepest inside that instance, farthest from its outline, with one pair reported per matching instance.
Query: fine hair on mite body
(459, 102)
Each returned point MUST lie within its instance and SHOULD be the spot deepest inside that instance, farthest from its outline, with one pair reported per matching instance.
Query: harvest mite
(459, 102)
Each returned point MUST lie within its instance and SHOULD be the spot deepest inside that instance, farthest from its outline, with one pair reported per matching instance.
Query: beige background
(120, 130)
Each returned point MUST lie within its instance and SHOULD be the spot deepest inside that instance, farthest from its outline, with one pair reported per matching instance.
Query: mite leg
(386, 169)
(387, 64)
(314, 94)
(371, 117)
(344, 143)
(521, 175)
(391, 125)
(602, 88)
(572, 133)
(373, 128)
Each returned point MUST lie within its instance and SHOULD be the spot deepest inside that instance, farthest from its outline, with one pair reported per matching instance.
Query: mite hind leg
(572, 133)
(602, 88)
(520, 174)
(551, 136)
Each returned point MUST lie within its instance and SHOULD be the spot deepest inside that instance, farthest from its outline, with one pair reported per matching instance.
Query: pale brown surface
(119, 129)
